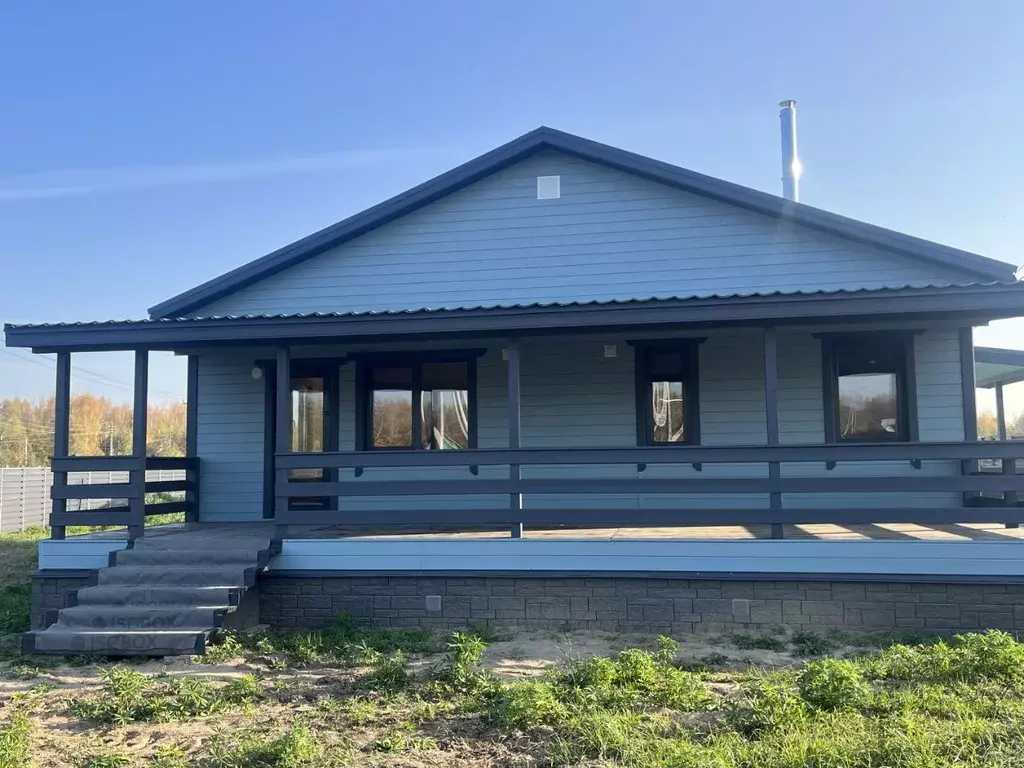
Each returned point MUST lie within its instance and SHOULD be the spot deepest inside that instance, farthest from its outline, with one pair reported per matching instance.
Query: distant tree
(988, 427)
(98, 427)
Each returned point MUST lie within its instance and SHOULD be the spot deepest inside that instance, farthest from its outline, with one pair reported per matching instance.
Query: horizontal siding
(918, 558)
(78, 553)
(611, 235)
(574, 396)
(230, 439)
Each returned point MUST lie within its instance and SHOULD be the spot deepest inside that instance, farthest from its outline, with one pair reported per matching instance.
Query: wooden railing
(134, 512)
(775, 478)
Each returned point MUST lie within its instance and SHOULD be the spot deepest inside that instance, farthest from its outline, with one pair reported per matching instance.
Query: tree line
(99, 427)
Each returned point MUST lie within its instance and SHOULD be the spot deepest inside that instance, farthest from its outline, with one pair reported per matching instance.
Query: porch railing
(776, 478)
(135, 510)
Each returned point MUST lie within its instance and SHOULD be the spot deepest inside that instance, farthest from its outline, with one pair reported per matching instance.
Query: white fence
(25, 493)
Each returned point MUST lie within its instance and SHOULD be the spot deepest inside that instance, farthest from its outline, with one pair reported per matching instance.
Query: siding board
(611, 235)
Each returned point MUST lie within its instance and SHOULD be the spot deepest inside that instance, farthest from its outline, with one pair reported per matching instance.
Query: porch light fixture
(257, 372)
(611, 350)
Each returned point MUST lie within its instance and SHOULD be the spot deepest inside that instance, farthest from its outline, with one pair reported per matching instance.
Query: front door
(314, 405)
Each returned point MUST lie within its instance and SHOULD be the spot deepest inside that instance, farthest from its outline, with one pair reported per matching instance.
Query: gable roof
(544, 138)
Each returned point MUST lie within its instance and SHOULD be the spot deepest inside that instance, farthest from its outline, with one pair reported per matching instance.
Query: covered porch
(793, 469)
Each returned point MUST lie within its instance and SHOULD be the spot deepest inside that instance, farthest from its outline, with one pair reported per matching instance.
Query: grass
(129, 696)
(367, 697)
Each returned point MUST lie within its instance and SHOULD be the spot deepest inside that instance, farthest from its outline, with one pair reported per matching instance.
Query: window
(666, 387)
(867, 387)
(419, 404)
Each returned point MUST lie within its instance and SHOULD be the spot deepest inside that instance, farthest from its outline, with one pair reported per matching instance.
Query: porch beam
(140, 420)
(192, 439)
(515, 500)
(283, 430)
(61, 441)
(771, 407)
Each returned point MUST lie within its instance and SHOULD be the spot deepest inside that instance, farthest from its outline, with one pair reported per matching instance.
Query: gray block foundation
(52, 591)
(639, 605)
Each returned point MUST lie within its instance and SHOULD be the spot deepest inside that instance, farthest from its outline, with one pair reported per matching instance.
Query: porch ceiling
(998, 366)
(967, 304)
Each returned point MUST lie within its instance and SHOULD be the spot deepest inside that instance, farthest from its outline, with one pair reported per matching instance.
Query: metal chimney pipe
(791, 168)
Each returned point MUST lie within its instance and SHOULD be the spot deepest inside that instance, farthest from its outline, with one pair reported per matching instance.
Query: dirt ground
(64, 741)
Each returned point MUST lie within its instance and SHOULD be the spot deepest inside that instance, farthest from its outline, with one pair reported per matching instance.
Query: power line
(88, 375)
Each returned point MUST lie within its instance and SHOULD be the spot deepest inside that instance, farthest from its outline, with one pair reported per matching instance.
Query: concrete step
(194, 576)
(184, 557)
(122, 595)
(200, 541)
(61, 640)
(121, 618)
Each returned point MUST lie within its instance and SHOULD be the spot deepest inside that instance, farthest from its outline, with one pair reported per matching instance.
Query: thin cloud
(80, 182)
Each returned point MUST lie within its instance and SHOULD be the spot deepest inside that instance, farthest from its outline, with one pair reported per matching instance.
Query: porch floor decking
(213, 534)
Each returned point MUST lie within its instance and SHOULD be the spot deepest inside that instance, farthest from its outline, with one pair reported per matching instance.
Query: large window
(419, 404)
(666, 386)
(867, 387)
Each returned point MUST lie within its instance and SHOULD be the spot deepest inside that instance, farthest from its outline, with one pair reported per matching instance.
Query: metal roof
(966, 304)
(972, 265)
(537, 305)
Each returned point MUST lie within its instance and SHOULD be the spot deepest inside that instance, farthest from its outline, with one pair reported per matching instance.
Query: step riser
(101, 618)
(161, 576)
(116, 643)
(136, 557)
(159, 596)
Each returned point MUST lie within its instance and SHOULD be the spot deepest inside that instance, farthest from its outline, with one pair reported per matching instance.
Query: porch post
(515, 501)
(771, 407)
(61, 434)
(1000, 413)
(283, 431)
(1009, 465)
(967, 384)
(192, 439)
(137, 476)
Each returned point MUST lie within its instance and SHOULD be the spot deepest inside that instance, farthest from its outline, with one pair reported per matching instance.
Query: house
(441, 409)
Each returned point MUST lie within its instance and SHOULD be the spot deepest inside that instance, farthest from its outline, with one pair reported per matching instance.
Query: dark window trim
(365, 362)
(906, 384)
(330, 369)
(690, 349)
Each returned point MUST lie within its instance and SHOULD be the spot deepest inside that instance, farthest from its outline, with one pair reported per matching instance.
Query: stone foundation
(52, 592)
(639, 605)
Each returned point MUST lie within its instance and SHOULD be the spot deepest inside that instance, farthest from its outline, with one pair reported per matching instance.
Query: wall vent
(549, 187)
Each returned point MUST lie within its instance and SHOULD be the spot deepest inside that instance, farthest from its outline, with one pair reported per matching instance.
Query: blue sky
(147, 147)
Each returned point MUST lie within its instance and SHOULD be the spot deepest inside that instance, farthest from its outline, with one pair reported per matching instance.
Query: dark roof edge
(620, 159)
(969, 305)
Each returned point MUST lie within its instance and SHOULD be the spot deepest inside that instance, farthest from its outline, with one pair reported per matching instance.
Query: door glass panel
(392, 418)
(445, 419)
(308, 426)
(667, 412)
(868, 406)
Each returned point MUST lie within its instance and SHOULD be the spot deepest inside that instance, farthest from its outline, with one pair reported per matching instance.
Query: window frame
(366, 363)
(906, 383)
(689, 351)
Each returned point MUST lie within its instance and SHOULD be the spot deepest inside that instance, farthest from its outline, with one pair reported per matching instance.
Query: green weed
(389, 675)
(833, 684)
(15, 741)
(298, 747)
(806, 644)
(763, 642)
(109, 760)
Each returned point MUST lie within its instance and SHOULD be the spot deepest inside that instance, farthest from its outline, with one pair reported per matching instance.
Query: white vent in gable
(549, 187)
